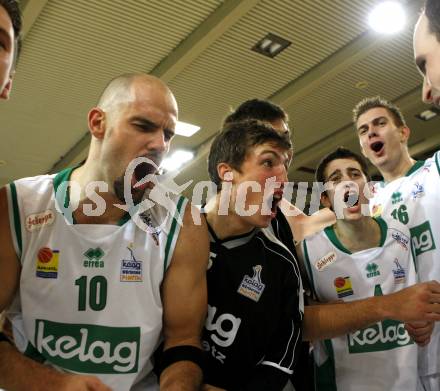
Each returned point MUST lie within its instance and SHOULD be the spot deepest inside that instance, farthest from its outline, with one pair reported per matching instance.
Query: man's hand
(420, 332)
(79, 383)
(420, 302)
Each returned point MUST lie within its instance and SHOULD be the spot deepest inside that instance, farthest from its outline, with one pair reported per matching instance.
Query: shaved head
(120, 90)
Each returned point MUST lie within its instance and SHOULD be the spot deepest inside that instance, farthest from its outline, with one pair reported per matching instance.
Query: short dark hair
(432, 12)
(13, 10)
(371, 103)
(262, 110)
(340, 153)
(233, 142)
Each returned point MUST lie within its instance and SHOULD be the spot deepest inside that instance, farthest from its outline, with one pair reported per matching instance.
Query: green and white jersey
(382, 356)
(89, 299)
(414, 200)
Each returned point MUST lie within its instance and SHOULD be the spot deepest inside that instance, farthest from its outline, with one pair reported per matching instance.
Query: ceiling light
(387, 17)
(185, 129)
(271, 45)
(426, 115)
(176, 160)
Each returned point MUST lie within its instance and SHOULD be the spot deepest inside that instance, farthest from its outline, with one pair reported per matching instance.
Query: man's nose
(427, 91)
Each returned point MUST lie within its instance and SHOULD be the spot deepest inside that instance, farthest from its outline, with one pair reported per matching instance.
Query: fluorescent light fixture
(387, 17)
(428, 114)
(177, 160)
(271, 45)
(185, 129)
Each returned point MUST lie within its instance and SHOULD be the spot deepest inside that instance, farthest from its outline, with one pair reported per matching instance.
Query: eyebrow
(374, 121)
(142, 121)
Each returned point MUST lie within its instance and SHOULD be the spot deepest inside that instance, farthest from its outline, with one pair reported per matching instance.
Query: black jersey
(253, 331)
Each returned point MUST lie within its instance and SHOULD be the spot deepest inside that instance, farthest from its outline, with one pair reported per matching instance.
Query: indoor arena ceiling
(202, 49)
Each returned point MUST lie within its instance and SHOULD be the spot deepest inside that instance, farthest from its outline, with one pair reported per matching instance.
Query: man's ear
(224, 171)
(4, 94)
(96, 121)
(404, 133)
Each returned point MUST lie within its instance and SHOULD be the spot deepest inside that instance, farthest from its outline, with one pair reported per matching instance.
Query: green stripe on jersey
(415, 167)
(172, 232)
(309, 268)
(325, 374)
(16, 216)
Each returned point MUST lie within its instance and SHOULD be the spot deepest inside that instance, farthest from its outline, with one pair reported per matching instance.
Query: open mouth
(377, 146)
(144, 169)
(351, 198)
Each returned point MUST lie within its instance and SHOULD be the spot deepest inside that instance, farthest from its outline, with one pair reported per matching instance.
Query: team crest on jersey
(376, 211)
(372, 270)
(396, 197)
(252, 287)
(325, 261)
(39, 220)
(343, 286)
(400, 238)
(47, 263)
(399, 272)
(131, 269)
(418, 191)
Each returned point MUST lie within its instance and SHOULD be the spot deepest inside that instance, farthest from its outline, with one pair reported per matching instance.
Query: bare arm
(185, 302)
(303, 225)
(415, 303)
(17, 372)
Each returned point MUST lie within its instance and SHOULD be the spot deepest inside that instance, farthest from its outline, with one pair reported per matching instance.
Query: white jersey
(382, 356)
(414, 200)
(89, 299)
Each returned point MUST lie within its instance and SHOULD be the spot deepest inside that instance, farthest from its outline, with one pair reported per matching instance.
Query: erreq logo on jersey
(38, 220)
(422, 238)
(325, 261)
(252, 287)
(47, 263)
(376, 211)
(88, 348)
(343, 286)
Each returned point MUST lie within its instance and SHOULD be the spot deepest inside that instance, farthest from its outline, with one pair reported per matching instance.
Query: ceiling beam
(202, 37)
(31, 10)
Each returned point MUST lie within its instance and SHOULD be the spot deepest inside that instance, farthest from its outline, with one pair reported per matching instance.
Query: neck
(225, 225)
(358, 235)
(83, 176)
(398, 170)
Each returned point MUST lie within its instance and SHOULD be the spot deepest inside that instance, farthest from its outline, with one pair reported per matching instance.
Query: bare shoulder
(193, 241)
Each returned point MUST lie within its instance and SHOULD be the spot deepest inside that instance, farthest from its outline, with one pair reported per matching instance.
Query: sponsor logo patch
(399, 273)
(396, 197)
(376, 211)
(372, 270)
(131, 269)
(38, 220)
(422, 238)
(400, 238)
(418, 191)
(88, 348)
(94, 258)
(386, 335)
(343, 286)
(325, 261)
(252, 287)
(47, 263)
